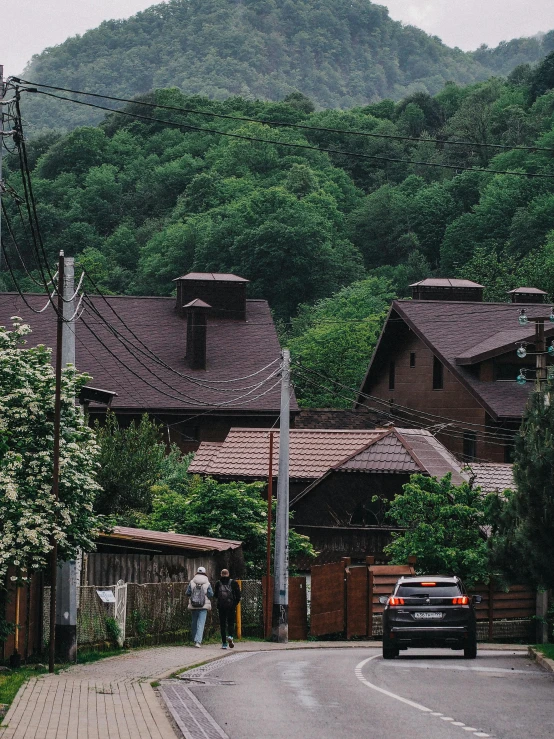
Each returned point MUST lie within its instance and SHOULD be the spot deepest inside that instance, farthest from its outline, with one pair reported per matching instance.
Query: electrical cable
(154, 356)
(182, 395)
(290, 145)
(507, 437)
(284, 124)
(149, 354)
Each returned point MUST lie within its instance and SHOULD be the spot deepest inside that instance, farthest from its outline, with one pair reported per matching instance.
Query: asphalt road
(330, 693)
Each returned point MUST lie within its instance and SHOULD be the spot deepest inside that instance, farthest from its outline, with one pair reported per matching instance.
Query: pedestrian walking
(227, 594)
(199, 592)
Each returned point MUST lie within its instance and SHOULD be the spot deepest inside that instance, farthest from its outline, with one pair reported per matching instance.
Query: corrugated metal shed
(168, 539)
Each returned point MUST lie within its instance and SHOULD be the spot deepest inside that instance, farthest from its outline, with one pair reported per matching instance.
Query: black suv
(429, 611)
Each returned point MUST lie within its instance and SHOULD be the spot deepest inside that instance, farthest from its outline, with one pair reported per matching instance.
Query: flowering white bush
(29, 514)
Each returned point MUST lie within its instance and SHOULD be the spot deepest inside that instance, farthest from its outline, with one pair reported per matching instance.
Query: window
(392, 375)
(470, 445)
(412, 359)
(438, 374)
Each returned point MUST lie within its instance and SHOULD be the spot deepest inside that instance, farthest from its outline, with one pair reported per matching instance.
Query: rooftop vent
(527, 295)
(442, 288)
(226, 294)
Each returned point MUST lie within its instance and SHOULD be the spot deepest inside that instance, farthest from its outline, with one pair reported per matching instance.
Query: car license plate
(428, 615)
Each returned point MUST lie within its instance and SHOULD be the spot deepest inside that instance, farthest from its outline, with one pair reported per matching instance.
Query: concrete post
(66, 581)
(542, 609)
(280, 620)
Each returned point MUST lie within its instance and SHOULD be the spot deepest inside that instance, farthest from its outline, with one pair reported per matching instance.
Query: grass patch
(10, 682)
(546, 649)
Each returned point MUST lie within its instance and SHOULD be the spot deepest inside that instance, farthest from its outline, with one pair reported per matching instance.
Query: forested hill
(340, 53)
(327, 224)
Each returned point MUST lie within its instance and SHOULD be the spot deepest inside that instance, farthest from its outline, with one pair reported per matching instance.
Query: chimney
(225, 293)
(443, 288)
(197, 328)
(527, 295)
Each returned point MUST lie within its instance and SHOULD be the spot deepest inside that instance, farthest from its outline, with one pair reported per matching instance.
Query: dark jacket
(234, 587)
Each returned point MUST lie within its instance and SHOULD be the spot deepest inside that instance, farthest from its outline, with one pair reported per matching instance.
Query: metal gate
(345, 598)
(328, 601)
(121, 609)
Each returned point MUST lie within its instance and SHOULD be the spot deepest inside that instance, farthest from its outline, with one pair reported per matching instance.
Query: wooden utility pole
(56, 465)
(280, 619)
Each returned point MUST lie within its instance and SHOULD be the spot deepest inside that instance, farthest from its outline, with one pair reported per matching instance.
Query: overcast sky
(32, 25)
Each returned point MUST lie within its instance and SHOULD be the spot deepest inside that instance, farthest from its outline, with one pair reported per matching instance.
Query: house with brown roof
(334, 478)
(199, 364)
(447, 360)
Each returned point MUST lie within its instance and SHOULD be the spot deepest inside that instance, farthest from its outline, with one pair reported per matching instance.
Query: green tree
(29, 514)
(335, 338)
(444, 528)
(523, 543)
(131, 462)
(232, 510)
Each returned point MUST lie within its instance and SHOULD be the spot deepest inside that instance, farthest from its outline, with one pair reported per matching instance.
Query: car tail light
(462, 601)
(393, 601)
(428, 584)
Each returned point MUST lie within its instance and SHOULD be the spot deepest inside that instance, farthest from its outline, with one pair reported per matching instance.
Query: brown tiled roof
(245, 452)
(445, 282)
(386, 454)
(453, 329)
(527, 291)
(492, 478)
(234, 349)
(399, 451)
(215, 276)
(169, 539)
(432, 455)
(335, 418)
(205, 453)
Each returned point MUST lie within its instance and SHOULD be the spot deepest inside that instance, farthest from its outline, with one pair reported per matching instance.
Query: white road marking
(429, 711)
(463, 668)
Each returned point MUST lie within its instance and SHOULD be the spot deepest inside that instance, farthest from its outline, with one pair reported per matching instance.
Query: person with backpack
(227, 594)
(199, 591)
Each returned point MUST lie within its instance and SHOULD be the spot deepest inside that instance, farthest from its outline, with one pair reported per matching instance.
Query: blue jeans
(198, 623)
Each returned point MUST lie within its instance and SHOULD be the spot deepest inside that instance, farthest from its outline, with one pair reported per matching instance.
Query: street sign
(106, 596)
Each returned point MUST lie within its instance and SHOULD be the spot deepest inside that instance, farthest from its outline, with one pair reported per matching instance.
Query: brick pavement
(113, 698)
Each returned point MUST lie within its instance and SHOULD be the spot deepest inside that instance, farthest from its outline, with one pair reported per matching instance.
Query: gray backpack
(197, 596)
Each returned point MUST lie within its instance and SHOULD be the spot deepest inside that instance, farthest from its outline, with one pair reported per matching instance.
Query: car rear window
(436, 590)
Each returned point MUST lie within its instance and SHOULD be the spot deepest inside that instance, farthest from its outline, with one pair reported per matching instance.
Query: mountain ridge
(339, 53)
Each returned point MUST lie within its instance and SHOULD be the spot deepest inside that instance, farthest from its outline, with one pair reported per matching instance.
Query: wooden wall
(105, 568)
(414, 389)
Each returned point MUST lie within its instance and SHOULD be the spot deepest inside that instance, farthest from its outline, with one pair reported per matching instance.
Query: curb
(546, 663)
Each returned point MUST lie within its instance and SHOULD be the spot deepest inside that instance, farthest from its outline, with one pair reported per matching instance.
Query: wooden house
(449, 361)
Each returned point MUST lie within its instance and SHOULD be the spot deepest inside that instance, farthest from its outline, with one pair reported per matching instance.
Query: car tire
(470, 652)
(390, 652)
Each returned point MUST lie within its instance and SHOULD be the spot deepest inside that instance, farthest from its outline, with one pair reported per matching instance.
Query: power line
(290, 145)
(506, 437)
(127, 344)
(195, 380)
(284, 124)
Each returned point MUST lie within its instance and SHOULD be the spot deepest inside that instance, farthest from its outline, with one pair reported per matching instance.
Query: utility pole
(66, 580)
(280, 620)
(56, 465)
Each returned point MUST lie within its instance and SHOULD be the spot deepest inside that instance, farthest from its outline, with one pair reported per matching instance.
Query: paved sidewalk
(113, 698)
